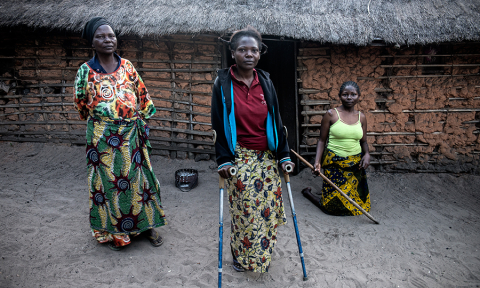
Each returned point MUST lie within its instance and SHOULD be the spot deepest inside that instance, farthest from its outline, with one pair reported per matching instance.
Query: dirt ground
(429, 234)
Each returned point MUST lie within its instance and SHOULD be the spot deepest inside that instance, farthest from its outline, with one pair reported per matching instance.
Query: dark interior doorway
(279, 61)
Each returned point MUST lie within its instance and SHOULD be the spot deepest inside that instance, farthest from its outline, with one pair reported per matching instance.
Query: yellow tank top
(344, 139)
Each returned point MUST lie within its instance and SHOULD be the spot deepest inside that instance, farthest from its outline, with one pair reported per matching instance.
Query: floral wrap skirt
(256, 208)
(124, 192)
(344, 172)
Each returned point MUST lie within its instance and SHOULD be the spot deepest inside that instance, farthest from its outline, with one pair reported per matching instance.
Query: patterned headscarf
(91, 26)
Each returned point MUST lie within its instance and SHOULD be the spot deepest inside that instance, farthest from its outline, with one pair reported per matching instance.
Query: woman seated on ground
(124, 192)
(345, 158)
(246, 117)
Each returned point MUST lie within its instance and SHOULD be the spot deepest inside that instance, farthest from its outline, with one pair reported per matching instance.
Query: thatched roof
(332, 21)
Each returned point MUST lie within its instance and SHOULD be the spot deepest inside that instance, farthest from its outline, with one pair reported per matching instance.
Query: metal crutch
(221, 182)
(288, 169)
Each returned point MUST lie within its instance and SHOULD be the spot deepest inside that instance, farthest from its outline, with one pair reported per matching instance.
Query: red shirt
(250, 113)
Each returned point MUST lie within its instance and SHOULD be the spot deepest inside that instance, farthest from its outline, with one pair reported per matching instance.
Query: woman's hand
(317, 168)
(365, 162)
(284, 166)
(224, 172)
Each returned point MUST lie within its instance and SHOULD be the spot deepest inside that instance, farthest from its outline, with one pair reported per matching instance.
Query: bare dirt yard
(429, 235)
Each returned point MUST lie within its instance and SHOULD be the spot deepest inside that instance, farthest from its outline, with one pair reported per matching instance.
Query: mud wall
(37, 71)
(422, 103)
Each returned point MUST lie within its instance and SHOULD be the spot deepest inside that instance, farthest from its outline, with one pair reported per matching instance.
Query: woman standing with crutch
(250, 137)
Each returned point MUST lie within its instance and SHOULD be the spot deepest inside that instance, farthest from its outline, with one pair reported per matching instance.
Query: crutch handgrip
(221, 182)
(232, 171)
(288, 168)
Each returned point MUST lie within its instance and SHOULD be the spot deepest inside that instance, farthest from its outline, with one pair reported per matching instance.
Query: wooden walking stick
(336, 188)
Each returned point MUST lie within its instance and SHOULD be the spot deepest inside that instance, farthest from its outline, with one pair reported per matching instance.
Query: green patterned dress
(124, 192)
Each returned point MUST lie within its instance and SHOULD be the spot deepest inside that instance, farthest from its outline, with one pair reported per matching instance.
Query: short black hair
(248, 31)
(348, 83)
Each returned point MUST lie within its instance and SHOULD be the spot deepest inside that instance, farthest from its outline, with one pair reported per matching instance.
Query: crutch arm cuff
(224, 164)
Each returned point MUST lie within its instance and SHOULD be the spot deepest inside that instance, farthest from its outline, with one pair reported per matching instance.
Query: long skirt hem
(124, 192)
(256, 208)
(345, 172)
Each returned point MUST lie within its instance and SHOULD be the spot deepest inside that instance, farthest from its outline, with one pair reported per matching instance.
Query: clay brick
(50, 73)
(199, 127)
(160, 103)
(51, 62)
(201, 109)
(157, 45)
(316, 119)
(155, 55)
(156, 83)
(395, 108)
(12, 117)
(182, 57)
(183, 85)
(374, 122)
(206, 57)
(429, 122)
(204, 100)
(311, 141)
(203, 88)
(198, 76)
(367, 103)
(181, 116)
(156, 65)
(54, 51)
(206, 48)
(27, 73)
(81, 53)
(454, 122)
(404, 100)
(23, 51)
(401, 152)
(400, 120)
(447, 151)
(384, 139)
(199, 118)
(165, 114)
(130, 55)
(30, 100)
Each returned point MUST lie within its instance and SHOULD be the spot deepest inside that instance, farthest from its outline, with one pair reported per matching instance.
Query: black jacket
(223, 118)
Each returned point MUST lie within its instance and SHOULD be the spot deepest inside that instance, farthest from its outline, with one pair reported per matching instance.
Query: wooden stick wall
(422, 102)
(36, 88)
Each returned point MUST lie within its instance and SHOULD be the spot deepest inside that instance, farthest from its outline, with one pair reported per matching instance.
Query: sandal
(237, 267)
(155, 239)
(113, 247)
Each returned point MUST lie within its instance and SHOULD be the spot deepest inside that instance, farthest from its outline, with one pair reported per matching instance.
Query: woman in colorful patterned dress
(345, 158)
(250, 136)
(111, 96)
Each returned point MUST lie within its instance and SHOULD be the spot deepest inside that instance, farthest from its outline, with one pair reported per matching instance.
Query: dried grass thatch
(332, 21)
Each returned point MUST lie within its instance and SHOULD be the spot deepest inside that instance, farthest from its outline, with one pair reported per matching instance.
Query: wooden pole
(336, 187)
